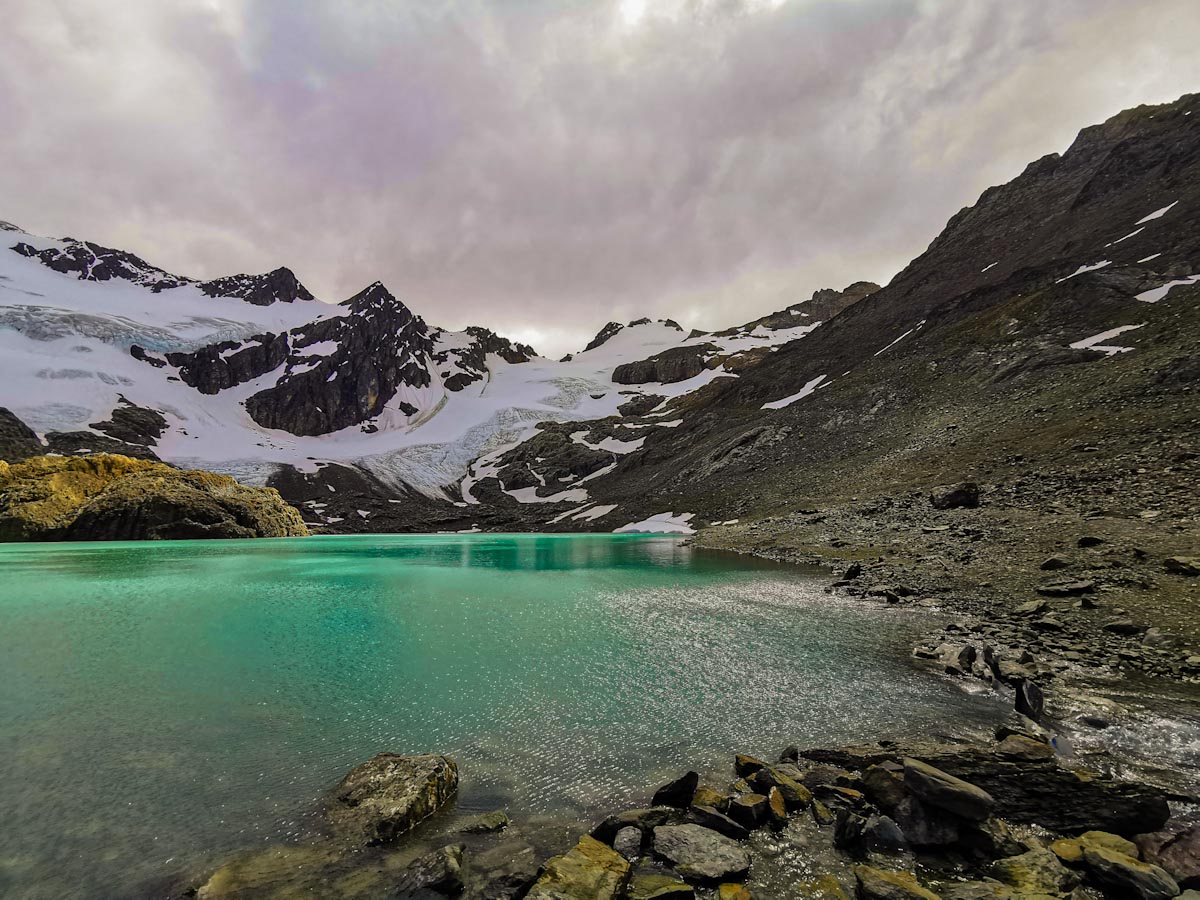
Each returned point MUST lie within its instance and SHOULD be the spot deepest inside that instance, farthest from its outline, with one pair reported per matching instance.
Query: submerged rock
(484, 823)
(504, 872)
(439, 872)
(389, 794)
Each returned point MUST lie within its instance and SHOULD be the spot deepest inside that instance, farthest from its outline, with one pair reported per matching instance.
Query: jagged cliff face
(372, 420)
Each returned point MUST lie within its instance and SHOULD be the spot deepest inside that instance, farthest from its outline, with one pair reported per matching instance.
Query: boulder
(678, 793)
(732, 892)
(1070, 850)
(628, 842)
(958, 496)
(659, 887)
(1037, 871)
(719, 822)
(795, 794)
(1054, 563)
(878, 884)
(1024, 749)
(934, 787)
(1176, 849)
(1126, 627)
(746, 766)
(1125, 876)
(924, 826)
(1029, 700)
(956, 656)
(884, 786)
(439, 872)
(1188, 566)
(1045, 793)
(588, 871)
(749, 810)
(777, 813)
(710, 796)
(700, 854)
(389, 794)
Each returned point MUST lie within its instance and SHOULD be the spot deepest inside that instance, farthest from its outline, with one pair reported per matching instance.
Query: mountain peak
(89, 261)
(279, 285)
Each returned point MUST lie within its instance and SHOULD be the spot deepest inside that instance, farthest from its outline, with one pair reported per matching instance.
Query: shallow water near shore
(166, 704)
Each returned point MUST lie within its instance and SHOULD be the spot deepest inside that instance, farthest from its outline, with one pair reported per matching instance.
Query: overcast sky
(543, 166)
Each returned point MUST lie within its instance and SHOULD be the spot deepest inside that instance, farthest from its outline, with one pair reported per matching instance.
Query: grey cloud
(541, 167)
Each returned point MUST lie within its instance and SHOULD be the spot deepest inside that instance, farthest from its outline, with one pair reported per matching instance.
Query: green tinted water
(163, 704)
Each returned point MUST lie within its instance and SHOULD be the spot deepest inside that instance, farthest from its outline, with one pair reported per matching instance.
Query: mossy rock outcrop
(112, 497)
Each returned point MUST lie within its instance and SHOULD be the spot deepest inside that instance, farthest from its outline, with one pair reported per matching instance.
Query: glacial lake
(165, 704)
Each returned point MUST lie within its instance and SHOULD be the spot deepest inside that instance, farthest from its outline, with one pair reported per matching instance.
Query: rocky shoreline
(1057, 612)
(956, 820)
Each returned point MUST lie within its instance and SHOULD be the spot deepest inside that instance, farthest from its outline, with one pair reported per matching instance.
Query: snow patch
(1082, 269)
(1127, 237)
(1096, 341)
(902, 337)
(661, 523)
(1157, 214)
(1156, 294)
(799, 395)
(609, 444)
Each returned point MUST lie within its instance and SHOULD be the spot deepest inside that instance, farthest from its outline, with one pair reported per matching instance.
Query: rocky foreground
(951, 820)
(112, 497)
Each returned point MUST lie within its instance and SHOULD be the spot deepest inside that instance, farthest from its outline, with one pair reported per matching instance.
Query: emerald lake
(165, 704)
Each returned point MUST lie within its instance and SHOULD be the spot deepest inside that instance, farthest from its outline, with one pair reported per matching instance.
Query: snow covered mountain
(1061, 299)
(250, 374)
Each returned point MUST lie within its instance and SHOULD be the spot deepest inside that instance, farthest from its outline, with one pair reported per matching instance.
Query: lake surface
(165, 704)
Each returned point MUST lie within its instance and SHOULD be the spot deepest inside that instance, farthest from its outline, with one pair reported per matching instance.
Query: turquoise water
(163, 704)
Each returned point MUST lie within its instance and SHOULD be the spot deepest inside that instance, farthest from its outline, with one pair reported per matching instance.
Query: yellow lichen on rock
(113, 497)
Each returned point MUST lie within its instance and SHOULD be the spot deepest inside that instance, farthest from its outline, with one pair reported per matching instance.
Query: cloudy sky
(543, 166)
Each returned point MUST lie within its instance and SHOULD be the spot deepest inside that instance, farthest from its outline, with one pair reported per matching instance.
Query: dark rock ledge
(957, 820)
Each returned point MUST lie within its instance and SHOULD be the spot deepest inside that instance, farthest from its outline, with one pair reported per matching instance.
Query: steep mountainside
(1058, 311)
